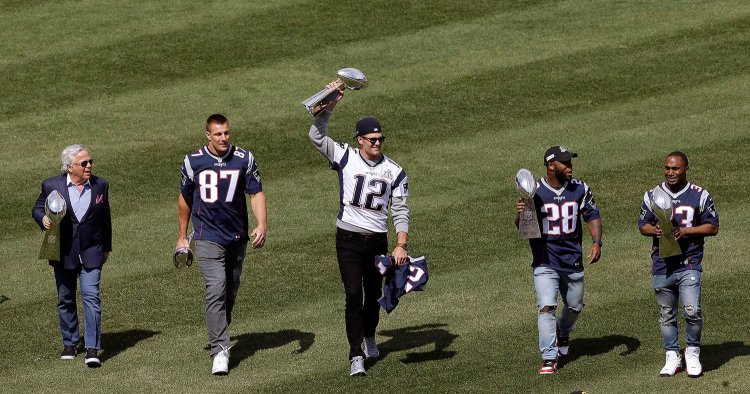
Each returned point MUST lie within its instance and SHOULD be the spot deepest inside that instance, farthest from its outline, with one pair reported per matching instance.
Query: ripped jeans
(687, 286)
(547, 283)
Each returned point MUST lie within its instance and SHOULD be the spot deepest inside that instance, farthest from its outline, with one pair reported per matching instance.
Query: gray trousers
(221, 266)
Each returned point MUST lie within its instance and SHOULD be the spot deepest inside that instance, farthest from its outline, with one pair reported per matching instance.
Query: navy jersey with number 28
(218, 186)
(559, 212)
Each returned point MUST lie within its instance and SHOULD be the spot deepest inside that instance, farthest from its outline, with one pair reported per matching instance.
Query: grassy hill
(467, 94)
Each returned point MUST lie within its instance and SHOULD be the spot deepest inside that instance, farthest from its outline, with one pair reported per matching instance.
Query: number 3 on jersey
(568, 212)
(209, 184)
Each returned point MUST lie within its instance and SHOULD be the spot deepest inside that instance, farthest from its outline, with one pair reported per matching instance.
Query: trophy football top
(660, 199)
(352, 78)
(525, 183)
(55, 205)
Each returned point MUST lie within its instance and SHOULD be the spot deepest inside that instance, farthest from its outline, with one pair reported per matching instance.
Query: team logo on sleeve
(183, 179)
(406, 187)
(256, 175)
(712, 210)
(592, 202)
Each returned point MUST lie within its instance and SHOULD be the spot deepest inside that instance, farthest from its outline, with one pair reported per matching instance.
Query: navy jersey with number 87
(218, 186)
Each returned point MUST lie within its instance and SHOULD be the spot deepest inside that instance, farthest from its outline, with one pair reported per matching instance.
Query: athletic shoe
(563, 346)
(92, 358)
(370, 347)
(357, 367)
(548, 367)
(673, 364)
(693, 362)
(68, 353)
(221, 361)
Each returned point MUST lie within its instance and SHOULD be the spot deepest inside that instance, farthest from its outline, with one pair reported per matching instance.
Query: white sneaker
(357, 367)
(221, 361)
(673, 364)
(693, 362)
(370, 347)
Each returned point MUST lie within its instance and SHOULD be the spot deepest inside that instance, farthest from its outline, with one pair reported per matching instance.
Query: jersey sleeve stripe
(399, 179)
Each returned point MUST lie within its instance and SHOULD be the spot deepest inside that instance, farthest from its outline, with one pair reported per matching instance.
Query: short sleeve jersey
(559, 212)
(366, 190)
(218, 186)
(692, 206)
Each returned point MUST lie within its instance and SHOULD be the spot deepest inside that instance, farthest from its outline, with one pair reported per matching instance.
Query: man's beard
(560, 176)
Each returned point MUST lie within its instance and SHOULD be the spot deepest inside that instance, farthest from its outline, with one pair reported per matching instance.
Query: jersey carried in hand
(692, 206)
(217, 186)
(400, 279)
(559, 212)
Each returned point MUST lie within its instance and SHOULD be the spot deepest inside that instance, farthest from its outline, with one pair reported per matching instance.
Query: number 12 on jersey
(380, 187)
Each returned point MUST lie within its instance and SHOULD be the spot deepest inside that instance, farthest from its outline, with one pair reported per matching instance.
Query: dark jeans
(356, 255)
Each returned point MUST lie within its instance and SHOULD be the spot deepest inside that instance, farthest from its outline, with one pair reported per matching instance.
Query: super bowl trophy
(55, 209)
(350, 78)
(183, 257)
(528, 224)
(661, 205)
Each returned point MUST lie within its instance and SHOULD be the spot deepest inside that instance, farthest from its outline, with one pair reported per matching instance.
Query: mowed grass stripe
(249, 40)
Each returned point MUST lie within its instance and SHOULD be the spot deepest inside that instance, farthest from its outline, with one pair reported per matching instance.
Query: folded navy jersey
(400, 279)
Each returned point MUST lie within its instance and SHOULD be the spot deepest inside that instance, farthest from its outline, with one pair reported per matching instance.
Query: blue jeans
(221, 266)
(687, 286)
(547, 283)
(67, 310)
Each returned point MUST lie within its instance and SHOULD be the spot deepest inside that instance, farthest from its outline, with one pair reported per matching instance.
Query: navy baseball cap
(558, 153)
(368, 125)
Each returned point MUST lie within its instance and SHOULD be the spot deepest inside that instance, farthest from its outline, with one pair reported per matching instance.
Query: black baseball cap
(368, 125)
(558, 153)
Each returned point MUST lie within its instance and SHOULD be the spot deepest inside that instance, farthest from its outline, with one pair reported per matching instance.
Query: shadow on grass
(595, 346)
(247, 344)
(3, 298)
(415, 337)
(714, 356)
(113, 343)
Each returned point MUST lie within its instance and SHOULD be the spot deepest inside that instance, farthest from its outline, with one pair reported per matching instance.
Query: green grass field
(467, 94)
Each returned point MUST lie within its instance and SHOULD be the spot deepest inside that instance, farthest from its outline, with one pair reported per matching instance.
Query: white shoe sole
(667, 374)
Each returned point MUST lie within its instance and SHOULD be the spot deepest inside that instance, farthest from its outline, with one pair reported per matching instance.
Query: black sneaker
(92, 359)
(68, 353)
(563, 346)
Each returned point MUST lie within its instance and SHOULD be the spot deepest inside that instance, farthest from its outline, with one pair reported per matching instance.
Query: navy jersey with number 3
(559, 212)
(218, 186)
(691, 206)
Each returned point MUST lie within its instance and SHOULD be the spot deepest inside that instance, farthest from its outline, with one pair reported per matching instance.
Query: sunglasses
(85, 163)
(374, 140)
